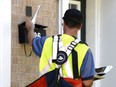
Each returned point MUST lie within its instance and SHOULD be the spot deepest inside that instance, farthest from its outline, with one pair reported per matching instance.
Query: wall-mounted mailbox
(23, 32)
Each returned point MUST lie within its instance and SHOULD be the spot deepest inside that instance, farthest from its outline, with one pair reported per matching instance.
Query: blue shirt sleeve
(88, 68)
(37, 45)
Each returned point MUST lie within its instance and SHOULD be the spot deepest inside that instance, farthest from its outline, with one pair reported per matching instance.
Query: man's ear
(80, 26)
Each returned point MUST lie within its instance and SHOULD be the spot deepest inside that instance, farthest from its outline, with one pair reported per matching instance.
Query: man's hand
(87, 83)
(29, 25)
(30, 28)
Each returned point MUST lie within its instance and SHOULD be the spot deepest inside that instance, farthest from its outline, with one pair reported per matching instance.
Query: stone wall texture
(25, 69)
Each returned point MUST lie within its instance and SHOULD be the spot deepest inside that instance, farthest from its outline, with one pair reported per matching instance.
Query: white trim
(97, 32)
(97, 36)
(93, 31)
(5, 43)
(63, 6)
(59, 17)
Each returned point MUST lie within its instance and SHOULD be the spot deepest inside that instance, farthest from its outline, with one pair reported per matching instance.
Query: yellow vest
(46, 63)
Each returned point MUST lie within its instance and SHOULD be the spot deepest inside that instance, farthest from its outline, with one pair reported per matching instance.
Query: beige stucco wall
(25, 69)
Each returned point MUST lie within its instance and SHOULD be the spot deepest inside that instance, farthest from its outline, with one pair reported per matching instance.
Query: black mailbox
(23, 32)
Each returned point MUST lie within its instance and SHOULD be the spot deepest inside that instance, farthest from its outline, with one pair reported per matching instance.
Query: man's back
(66, 69)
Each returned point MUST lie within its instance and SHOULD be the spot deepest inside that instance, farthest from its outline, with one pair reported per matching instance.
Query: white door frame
(97, 36)
(5, 43)
(97, 32)
(62, 6)
(93, 30)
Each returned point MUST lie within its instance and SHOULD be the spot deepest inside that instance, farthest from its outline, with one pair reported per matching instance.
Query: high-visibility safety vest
(46, 64)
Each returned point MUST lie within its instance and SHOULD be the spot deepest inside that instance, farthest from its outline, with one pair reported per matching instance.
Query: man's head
(73, 18)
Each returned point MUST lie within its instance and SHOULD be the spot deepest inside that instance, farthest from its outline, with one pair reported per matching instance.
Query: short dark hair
(73, 18)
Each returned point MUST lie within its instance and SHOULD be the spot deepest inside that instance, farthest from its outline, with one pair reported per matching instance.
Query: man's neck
(72, 32)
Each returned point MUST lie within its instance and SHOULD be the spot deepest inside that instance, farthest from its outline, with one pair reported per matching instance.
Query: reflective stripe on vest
(46, 56)
(58, 46)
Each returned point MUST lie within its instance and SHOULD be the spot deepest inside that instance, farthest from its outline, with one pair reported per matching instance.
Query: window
(74, 4)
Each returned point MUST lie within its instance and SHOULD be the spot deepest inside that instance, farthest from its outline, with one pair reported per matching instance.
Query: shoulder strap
(75, 64)
(60, 57)
(55, 47)
(72, 46)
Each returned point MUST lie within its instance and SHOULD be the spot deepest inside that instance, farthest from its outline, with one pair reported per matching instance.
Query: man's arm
(88, 70)
(36, 42)
(30, 29)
